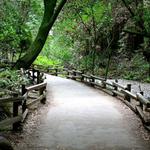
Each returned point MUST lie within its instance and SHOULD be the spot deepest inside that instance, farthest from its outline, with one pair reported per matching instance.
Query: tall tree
(51, 11)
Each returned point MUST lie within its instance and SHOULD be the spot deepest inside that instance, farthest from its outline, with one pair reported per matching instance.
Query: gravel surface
(136, 86)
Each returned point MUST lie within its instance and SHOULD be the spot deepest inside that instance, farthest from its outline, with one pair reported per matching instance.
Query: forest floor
(78, 117)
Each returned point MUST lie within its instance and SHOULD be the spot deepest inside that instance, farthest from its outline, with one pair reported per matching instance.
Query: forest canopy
(95, 35)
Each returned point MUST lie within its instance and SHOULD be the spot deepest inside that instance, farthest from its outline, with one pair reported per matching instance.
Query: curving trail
(83, 118)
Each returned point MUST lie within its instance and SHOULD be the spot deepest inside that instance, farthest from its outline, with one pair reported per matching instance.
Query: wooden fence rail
(21, 102)
(141, 105)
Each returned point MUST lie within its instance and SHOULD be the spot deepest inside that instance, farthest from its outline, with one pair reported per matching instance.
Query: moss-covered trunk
(50, 15)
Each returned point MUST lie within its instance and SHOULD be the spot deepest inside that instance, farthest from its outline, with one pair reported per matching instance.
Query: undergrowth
(44, 61)
(135, 69)
(11, 80)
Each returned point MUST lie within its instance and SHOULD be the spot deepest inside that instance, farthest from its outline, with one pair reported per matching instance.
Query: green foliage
(81, 36)
(44, 61)
(35, 16)
(15, 36)
(77, 25)
(11, 80)
(136, 69)
(17, 20)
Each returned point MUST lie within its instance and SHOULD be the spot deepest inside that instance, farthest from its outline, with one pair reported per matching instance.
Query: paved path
(83, 118)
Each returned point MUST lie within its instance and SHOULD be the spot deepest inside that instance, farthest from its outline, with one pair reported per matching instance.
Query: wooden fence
(137, 102)
(21, 103)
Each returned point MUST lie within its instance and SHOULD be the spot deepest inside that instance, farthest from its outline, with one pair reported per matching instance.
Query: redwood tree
(51, 11)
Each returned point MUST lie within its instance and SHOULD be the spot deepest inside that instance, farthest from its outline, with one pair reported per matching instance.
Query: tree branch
(84, 24)
(50, 15)
(57, 11)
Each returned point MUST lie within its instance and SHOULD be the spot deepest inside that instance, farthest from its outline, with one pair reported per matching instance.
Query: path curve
(83, 118)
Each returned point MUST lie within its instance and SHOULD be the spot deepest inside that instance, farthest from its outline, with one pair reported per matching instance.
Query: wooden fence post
(103, 84)
(29, 74)
(82, 77)
(38, 76)
(15, 113)
(67, 74)
(48, 69)
(24, 102)
(142, 93)
(56, 71)
(41, 92)
(128, 88)
(33, 76)
(74, 75)
(115, 88)
(92, 81)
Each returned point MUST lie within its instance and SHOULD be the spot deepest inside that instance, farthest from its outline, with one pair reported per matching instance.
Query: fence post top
(116, 80)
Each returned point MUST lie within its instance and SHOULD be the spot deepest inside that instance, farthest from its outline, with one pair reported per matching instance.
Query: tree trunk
(50, 15)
